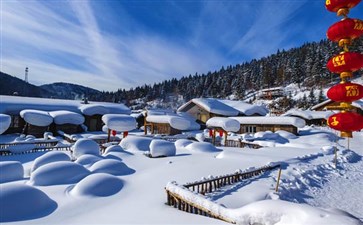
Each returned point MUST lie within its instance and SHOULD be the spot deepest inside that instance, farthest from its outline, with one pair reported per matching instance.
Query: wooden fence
(235, 143)
(37, 149)
(208, 186)
(37, 144)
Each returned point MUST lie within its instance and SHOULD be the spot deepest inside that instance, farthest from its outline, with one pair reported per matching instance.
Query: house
(253, 124)
(358, 106)
(202, 109)
(222, 125)
(90, 112)
(36, 122)
(159, 122)
(310, 117)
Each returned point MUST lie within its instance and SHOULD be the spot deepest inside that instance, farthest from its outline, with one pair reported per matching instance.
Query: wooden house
(323, 106)
(311, 117)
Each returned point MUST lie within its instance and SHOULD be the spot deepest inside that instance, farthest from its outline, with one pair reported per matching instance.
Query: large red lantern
(345, 29)
(336, 5)
(345, 62)
(346, 92)
(346, 122)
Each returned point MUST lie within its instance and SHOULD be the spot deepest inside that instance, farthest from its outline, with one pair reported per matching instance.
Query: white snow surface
(93, 109)
(201, 147)
(5, 121)
(281, 120)
(216, 106)
(10, 171)
(50, 157)
(175, 121)
(111, 166)
(97, 185)
(227, 124)
(119, 122)
(162, 148)
(85, 146)
(66, 117)
(309, 114)
(36, 117)
(21, 147)
(246, 108)
(88, 160)
(135, 143)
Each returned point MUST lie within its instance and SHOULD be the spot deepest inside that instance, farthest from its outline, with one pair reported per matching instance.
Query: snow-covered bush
(23, 202)
(111, 166)
(182, 143)
(5, 121)
(201, 147)
(58, 173)
(286, 134)
(85, 146)
(49, 157)
(10, 171)
(113, 148)
(162, 148)
(98, 185)
(135, 143)
(88, 160)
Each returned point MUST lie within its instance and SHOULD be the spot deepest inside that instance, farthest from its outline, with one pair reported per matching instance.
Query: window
(250, 129)
(15, 121)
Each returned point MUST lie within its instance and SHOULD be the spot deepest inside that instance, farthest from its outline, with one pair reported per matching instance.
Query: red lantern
(335, 5)
(221, 133)
(210, 133)
(345, 29)
(125, 134)
(346, 122)
(345, 62)
(346, 92)
(113, 133)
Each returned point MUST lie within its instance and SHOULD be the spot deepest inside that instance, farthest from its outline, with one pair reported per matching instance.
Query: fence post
(278, 180)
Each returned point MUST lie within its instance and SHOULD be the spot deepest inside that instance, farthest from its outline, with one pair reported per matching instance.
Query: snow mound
(287, 213)
(201, 147)
(98, 185)
(286, 134)
(5, 121)
(113, 148)
(266, 135)
(162, 148)
(88, 160)
(328, 150)
(135, 143)
(231, 154)
(36, 117)
(111, 166)
(119, 122)
(85, 146)
(66, 117)
(93, 109)
(58, 173)
(10, 171)
(49, 158)
(226, 124)
(23, 202)
(20, 148)
(182, 143)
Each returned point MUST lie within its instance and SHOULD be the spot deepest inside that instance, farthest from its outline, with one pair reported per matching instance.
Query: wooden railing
(208, 186)
(235, 143)
(36, 149)
(37, 144)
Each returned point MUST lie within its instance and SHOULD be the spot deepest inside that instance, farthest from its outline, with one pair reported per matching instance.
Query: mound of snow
(266, 135)
(98, 185)
(10, 171)
(88, 160)
(49, 158)
(201, 147)
(111, 166)
(227, 124)
(119, 122)
(66, 117)
(23, 202)
(182, 143)
(93, 109)
(135, 143)
(286, 134)
(85, 146)
(327, 150)
(162, 148)
(5, 121)
(36, 117)
(19, 148)
(113, 148)
(58, 173)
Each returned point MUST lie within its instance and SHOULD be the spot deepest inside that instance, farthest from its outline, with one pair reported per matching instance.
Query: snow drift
(111, 166)
(10, 171)
(162, 148)
(49, 157)
(87, 159)
(85, 146)
(201, 147)
(135, 143)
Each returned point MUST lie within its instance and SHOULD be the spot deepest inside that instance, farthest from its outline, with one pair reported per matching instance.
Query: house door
(92, 124)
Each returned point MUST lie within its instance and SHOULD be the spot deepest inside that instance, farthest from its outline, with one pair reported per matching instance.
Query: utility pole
(26, 75)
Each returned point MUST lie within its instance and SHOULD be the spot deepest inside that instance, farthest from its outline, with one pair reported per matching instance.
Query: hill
(71, 91)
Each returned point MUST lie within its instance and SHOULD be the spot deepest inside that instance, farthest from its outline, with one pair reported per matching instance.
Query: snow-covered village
(275, 139)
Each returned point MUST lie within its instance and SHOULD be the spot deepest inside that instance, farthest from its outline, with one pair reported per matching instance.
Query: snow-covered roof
(5, 121)
(175, 121)
(225, 107)
(119, 122)
(36, 117)
(278, 120)
(66, 117)
(14, 104)
(308, 114)
(226, 124)
(358, 104)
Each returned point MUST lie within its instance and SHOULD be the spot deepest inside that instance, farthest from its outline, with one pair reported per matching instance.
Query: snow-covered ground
(123, 186)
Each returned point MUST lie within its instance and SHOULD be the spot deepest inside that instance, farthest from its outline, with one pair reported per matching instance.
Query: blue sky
(109, 44)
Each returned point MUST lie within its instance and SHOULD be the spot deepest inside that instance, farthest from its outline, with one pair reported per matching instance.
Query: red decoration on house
(125, 133)
(113, 133)
(210, 133)
(346, 122)
(345, 29)
(346, 92)
(335, 5)
(345, 62)
(221, 133)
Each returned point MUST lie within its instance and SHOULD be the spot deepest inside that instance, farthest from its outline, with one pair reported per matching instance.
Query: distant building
(310, 117)
(358, 106)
